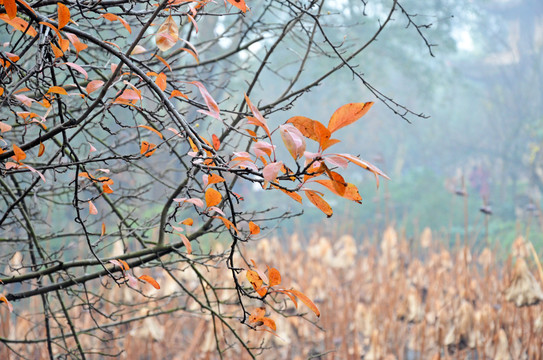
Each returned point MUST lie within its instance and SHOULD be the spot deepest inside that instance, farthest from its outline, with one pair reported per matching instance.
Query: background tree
(133, 134)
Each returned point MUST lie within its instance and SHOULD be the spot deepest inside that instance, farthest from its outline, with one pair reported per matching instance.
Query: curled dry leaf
(167, 35)
(524, 289)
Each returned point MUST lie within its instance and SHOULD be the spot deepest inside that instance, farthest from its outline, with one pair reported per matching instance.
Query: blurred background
(479, 87)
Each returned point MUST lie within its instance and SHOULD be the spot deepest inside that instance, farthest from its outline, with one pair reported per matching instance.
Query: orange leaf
(257, 282)
(187, 222)
(19, 153)
(319, 202)
(151, 129)
(216, 142)
(337, 181)
(124, 265)
(150, 280)
(214, 179)
(103, 229)
(163, 61)
(63, 15)
(306, 301)
(348, 114)
(305, 125)
(94, 85)
(19, 24)
(254, 228)
(240, 4)
(41, 150)
(92, 209)
(351, 191)
(56, 51)
(57, 90)
(269, 323)
(213, 197)
(160, 81)
(257, 315)
(3, 298)
(11, 8)
(323, 134)
(113, 17)
(292, 297)
(274, 276)
(229, 224)
(177, 93)
(147, 148)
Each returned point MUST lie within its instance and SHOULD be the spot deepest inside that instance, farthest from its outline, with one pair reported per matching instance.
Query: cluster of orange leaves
(258, 278)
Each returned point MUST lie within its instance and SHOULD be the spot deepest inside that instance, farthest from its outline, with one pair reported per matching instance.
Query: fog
(474, 75)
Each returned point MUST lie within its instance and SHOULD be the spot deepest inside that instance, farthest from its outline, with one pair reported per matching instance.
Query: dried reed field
(387, 297)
